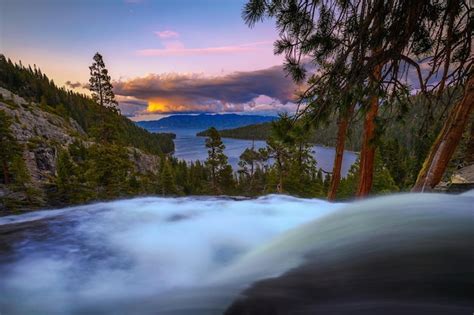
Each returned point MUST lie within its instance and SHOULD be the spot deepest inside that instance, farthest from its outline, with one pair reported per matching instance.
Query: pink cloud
(182, 51)
(167, 34)
(254, 91)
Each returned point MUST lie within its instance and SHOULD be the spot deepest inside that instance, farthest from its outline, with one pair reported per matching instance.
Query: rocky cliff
(42, 134)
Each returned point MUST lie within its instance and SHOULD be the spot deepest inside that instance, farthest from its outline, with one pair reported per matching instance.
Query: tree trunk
(6, 177)
(469, 158)
(367, 153)
(280, 180)
(343, 125)
(448, 139)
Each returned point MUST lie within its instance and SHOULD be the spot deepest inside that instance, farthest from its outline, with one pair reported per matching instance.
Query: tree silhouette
(99, 84)
(217, 161)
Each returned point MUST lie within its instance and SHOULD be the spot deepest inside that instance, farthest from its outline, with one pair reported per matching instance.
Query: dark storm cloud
(180, 92)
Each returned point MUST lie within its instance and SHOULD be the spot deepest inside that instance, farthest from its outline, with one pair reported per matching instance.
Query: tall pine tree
(217, 162)
(99, 84)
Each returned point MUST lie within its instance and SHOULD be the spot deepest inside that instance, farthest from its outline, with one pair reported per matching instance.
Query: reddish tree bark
(448, 139)
(367, 153)
(343, 125)
(469, 158)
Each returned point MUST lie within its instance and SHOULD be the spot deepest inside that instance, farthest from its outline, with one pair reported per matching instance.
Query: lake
(189, 147)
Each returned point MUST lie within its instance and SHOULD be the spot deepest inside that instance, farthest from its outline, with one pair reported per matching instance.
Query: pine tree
(363, 51)
(99, 84)
(66, 179)
(9, 147)
(216, 160)
(107, 170)
(226, 180)
(248, 164)
(167, 180)
(383, 181)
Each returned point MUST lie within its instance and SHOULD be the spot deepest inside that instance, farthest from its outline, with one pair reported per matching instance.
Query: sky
(176, 56)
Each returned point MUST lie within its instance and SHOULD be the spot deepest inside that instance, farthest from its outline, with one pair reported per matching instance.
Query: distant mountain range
(204, 121)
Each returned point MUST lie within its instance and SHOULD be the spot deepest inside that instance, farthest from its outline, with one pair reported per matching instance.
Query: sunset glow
(209, 61)
(157, 107)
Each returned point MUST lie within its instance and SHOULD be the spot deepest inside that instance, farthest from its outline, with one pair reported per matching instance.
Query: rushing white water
(108, 252)
(194, 255)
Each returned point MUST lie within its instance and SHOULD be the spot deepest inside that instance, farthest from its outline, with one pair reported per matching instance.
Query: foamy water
(106, 253)
(196, 255)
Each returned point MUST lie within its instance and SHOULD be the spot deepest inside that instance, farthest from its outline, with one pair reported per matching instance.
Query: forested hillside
(325, 135)
(97, 121)
(61, 148)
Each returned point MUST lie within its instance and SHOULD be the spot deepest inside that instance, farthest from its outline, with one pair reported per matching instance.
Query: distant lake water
(189, 147)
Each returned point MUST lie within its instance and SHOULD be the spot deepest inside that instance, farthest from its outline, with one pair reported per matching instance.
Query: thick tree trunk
(343, 125)
(367, 153)
(448, 139)
(469, 158)
(6, 177)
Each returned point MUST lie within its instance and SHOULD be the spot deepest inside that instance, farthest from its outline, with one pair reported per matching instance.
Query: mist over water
(108, 253)
(196, 255)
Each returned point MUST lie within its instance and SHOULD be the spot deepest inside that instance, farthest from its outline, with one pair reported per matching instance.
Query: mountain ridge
(204, 121)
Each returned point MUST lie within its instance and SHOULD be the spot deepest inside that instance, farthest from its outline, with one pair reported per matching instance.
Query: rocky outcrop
(463, 175)
(42, 134)
(144, 163)
(462, 179)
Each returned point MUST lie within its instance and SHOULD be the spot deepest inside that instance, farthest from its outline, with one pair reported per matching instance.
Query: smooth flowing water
(195, 255)
(102, 254)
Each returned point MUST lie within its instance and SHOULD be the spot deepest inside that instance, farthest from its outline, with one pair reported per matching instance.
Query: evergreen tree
(294, 167)
(99, 84)
(226, 180)
(66, 179)
(107, 170)
(9, 147)
(217, 161)
(181, 171)
(383, 181)
(22, 183)
(167, 180)
(199, 177)
(248, 164)
(363, 51)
